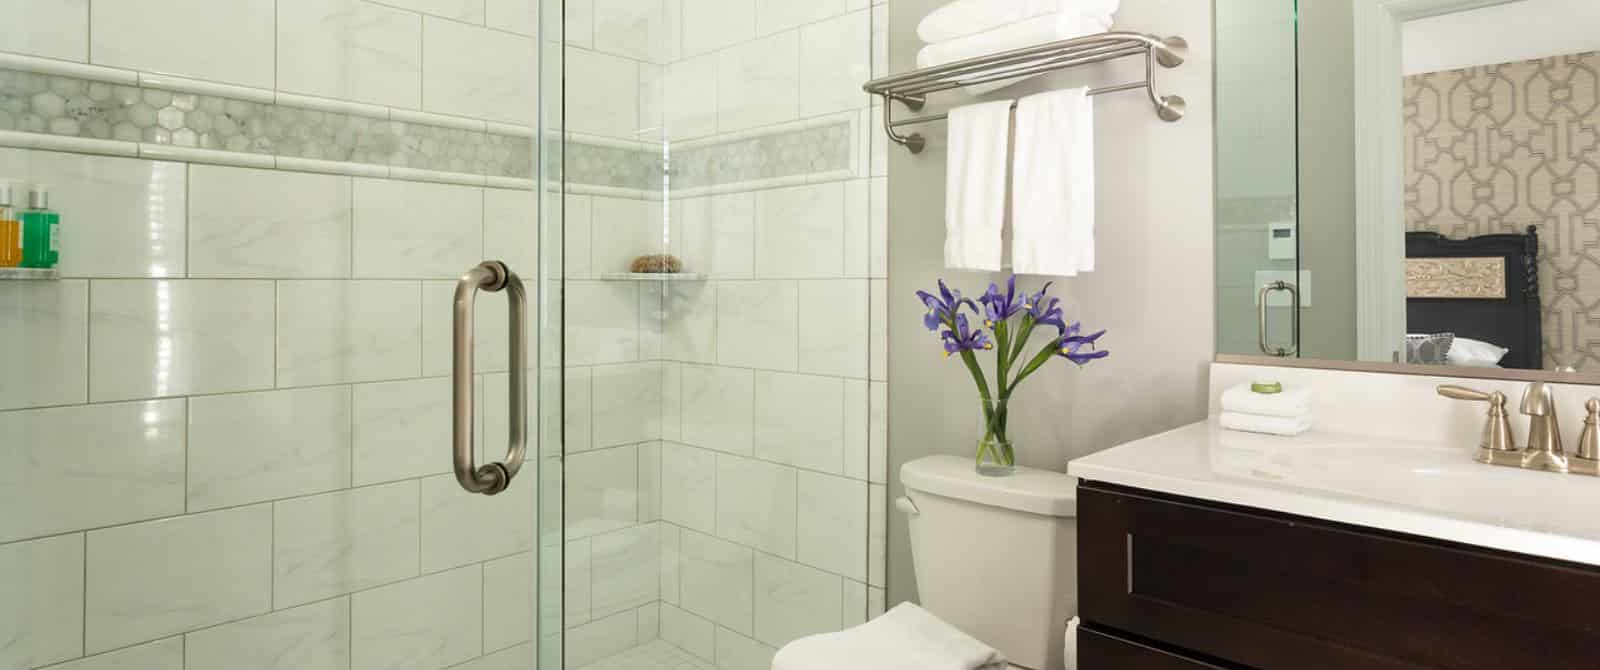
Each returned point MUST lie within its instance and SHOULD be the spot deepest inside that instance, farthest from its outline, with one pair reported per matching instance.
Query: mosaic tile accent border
(67, 106)
(62, 105)
(782, 154)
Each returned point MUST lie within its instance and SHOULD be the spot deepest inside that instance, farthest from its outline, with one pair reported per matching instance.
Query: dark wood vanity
(1173, 583)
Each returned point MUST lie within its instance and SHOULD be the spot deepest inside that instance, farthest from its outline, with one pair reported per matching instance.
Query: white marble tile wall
(461, 57)
(767, 454)
(250, 358)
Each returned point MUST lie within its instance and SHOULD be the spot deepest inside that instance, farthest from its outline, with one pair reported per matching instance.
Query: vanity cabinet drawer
(1273, 591)
(1098, 650)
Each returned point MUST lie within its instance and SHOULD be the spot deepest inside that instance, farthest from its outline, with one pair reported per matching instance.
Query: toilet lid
(1027, 490)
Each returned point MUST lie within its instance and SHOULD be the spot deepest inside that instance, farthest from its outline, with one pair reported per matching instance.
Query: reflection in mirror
(1427, 178)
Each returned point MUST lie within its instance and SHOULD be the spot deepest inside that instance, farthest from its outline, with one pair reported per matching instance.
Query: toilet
(995, 557)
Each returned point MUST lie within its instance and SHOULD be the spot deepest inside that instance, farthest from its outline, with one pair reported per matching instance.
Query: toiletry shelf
(913, 88)
(29, 273)
(653, 276)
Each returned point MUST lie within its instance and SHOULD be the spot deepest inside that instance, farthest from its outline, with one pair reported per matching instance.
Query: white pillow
(1472, 353)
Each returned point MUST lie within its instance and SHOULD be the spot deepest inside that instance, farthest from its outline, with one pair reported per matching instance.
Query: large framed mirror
(1410, 185)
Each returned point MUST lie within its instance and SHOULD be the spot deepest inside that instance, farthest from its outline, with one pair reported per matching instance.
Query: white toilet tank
(996, 556)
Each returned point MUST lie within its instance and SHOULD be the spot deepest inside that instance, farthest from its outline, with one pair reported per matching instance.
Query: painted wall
(1517, 31)
(1153, 289)
(1327, 178)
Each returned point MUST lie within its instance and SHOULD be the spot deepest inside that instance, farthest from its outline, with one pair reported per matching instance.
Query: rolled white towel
(969, 17)
(1289, 403)
(1271, 425)
(904, 638)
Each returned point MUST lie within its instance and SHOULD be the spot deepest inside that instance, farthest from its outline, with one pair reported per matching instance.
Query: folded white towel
(1052, 185)
(1290, 403)
(904, 638)
(968, 17)
(1031, 32)
(975, 186)
(1271, 425)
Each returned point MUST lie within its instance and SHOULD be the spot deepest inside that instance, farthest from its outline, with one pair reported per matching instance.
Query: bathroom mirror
(1410, 185)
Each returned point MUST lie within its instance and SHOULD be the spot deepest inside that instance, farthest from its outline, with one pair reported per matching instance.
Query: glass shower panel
(723, 408)
(1257, 227)
(226, 417)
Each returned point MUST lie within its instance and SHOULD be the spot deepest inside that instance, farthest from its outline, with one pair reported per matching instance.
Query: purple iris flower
(942, 308)
(1072, 344)
(963, 338)
(1045, 310)
(997, 307)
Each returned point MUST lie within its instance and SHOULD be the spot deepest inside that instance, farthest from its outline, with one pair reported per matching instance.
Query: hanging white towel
(1052, 185)
(905, 638)
(975, 186)
(969, 17)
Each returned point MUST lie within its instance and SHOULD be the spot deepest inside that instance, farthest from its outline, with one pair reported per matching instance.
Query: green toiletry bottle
(41, 231)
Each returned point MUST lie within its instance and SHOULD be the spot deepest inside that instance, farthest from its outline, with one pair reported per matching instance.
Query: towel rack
(913, 88)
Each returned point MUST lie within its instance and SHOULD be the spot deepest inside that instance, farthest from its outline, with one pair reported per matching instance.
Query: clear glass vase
(996, 456)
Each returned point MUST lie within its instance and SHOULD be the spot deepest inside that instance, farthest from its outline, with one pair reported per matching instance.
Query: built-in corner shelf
(653, 276)
(29, 273)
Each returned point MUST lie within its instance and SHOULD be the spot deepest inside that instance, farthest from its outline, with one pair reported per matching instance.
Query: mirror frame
(1378, 192)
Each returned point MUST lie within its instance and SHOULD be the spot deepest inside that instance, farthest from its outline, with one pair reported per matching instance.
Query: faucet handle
(1497, 446)
(1587, 460)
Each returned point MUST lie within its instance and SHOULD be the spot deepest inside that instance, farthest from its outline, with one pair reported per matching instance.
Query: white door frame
(1379, 173)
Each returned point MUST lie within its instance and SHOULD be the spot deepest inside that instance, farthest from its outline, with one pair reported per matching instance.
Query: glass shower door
(227, 417)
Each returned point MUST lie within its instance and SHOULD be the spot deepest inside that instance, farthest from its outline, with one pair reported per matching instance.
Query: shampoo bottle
(10, 228)
(41, 231)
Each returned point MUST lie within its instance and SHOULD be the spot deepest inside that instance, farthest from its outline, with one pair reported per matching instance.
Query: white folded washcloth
(1031, 32)
(1289, 403)
(1271, 425)
(968, 17)
(975, 186)
(904, 638)
(1052, 185)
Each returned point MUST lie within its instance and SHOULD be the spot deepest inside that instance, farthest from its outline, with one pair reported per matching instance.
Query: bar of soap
(656, 264)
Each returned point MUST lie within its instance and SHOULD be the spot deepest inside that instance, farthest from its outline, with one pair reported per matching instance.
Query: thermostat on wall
(1281, 242)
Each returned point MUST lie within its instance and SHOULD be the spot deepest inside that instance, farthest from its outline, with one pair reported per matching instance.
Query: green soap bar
(1267, 388)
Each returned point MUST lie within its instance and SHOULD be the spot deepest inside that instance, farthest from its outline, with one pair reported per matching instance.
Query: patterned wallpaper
(1496, 148)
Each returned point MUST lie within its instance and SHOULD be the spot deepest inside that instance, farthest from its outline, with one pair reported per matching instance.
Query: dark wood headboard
(1513, 321)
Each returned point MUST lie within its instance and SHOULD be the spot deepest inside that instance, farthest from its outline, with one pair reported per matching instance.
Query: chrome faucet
(1544, 451)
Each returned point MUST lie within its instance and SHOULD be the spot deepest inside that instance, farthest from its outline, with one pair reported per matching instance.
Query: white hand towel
(1271, 425)
(969, 17)
(1069, 648)
(1052, 185)
(975, 186)
(904, 638)
(1290, 403)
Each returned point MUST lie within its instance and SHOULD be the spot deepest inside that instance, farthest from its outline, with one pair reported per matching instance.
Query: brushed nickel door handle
(491, 276)
(1294, 318)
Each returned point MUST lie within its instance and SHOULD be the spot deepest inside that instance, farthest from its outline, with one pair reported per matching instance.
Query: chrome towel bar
(912, 88)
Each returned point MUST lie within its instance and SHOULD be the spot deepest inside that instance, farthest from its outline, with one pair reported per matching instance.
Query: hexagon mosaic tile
(58, 105)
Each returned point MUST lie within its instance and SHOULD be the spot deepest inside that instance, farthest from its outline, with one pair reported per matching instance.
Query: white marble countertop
(1407, 487)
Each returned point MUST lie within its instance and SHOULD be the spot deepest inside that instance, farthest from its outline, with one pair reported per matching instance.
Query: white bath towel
(1271, 425)
(1052, 185)
(969, 17)
(1289, 403)
(904, 638)
(975, 186)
